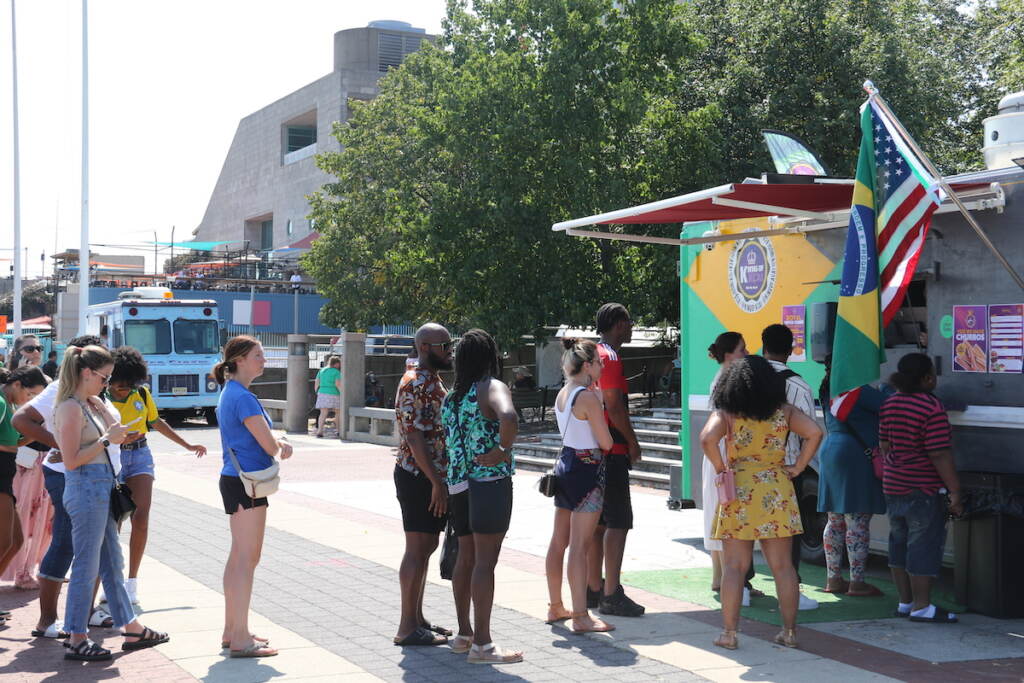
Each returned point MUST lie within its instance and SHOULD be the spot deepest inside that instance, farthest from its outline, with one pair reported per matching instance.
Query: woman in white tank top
(579, 473)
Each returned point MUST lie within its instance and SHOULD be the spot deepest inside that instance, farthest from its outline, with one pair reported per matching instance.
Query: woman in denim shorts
(85, 431)
(135, 403)
(579, 472)
(916, 442)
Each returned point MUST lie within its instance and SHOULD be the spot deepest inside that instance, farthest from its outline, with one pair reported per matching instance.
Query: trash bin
(989, 544)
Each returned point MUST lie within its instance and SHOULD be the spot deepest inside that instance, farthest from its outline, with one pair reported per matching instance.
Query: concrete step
(650, 471)
(658, 423)
(654, 449)
(657, 435)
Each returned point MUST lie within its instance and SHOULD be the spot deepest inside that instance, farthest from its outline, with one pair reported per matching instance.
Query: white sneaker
(131, 587)
(807, 603)
(745, 602)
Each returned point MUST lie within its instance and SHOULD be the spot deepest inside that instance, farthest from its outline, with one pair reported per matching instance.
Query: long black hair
(476, 358)
(29, 376)
(751, 388)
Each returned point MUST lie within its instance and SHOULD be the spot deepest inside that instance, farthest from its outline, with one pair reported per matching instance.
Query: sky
(168, 83)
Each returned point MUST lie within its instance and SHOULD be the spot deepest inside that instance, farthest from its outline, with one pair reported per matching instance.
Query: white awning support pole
(83, 250)
(16, 255)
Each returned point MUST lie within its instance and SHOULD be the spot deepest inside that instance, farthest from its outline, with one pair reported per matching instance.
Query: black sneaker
(619, 605)
(593, 598)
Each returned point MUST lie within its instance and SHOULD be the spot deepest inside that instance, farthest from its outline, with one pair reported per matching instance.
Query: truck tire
(812, 548)
(211, 416)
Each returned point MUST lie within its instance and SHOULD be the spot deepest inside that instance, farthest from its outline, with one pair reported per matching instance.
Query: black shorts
(233, 495)
(618, 508)
(8, 468)
(484, 508)
(414, 493)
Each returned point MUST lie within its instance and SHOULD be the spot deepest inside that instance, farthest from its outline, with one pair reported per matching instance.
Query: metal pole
(17, 181)
(83, 249)
(172, 246)
(156, 268)
(295, 312)
(252, 301)
(877, 97)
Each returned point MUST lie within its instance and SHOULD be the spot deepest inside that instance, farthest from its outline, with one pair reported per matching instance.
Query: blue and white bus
(180, 340)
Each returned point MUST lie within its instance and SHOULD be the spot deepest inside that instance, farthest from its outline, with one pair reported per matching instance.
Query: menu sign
(795, 318)
(970, 338)
(1006, 338)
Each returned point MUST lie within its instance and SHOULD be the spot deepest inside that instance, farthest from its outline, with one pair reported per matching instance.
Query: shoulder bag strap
(95, 423)
(234, 461)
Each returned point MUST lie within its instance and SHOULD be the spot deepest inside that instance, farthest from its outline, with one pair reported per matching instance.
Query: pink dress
(36, 513)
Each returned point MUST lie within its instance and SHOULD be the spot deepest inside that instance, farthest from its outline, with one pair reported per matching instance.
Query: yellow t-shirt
(135, 406)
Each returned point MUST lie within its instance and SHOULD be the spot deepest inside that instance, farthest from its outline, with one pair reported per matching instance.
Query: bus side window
(118, 339)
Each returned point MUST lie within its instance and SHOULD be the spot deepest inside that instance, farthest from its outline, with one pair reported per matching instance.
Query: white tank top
(575, 432)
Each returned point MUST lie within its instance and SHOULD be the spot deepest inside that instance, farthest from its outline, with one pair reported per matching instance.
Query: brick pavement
(347, 605)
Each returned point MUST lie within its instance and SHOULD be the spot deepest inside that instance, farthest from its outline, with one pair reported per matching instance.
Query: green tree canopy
(528, 112)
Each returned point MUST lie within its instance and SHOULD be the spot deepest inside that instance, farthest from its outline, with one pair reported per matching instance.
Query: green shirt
(328, 376)
(8, 437)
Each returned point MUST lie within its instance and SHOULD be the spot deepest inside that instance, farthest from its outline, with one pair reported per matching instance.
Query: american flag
(906, 196)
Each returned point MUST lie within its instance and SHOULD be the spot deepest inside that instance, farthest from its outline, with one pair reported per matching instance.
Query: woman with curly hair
(752, 415)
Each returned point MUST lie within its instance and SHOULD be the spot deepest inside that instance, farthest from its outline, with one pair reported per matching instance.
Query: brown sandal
(225, 644)
(786, 637)
(600, 626)
(561, 616)
(837, 586)
(728, 640)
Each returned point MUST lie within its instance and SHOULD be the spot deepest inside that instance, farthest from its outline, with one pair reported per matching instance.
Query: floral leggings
(855, 528)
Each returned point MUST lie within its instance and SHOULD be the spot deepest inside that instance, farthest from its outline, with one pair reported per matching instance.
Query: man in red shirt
(616, 328)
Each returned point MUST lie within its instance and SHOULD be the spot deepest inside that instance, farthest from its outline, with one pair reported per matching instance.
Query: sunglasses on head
(31, 349)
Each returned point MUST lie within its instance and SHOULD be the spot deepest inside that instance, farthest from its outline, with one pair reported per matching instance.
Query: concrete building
(260, 196)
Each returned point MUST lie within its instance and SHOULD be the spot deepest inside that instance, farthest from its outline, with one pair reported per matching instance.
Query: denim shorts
(136, 462)
(917, 532)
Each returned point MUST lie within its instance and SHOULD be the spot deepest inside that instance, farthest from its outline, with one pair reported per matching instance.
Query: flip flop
(871, 592)
(254, 649)
(941, 616)
(600, 625)
(225, 644)
(421, 637)
(841, 588)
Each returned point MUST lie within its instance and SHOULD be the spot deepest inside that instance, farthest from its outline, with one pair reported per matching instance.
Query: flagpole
(83, 249)
(873, 94)
(17, 182)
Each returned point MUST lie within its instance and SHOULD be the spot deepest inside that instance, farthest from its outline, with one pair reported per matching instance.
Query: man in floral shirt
(420, 478)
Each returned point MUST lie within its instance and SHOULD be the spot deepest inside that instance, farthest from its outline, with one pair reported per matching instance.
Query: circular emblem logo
(752, 273)
(971, 320)
(138, 405)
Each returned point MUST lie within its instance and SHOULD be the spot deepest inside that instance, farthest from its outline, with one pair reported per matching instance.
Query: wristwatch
(105, 442)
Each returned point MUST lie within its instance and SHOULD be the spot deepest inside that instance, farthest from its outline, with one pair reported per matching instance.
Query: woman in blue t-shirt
(245, 429)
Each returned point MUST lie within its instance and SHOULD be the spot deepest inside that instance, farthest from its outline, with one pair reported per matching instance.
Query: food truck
(180, 340)
(770, 250)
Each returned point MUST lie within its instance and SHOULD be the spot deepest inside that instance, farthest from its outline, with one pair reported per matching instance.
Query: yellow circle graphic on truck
(752, 273)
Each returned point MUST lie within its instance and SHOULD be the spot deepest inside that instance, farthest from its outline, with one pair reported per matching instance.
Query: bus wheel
(211, 416)
(812, 548)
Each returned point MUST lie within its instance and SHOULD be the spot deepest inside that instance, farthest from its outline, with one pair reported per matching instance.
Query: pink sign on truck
(970, 339)
(794, 317)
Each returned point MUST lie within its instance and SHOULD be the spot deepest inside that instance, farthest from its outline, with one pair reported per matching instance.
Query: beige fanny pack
(260, 483)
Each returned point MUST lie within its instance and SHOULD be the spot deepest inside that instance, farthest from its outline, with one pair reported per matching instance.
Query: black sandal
(148, 638)
(440, 630)
(421, 637)
(87, 651)
(941, 616)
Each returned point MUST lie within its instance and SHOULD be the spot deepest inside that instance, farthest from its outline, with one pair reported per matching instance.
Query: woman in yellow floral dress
(753, 416)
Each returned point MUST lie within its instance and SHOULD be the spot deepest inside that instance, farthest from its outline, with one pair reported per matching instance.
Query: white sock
(927, 612)
(904, 607)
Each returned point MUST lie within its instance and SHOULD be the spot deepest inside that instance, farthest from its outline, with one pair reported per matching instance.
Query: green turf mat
(694, 586)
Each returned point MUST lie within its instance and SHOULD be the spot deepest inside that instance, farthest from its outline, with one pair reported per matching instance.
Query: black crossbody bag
(121, 504)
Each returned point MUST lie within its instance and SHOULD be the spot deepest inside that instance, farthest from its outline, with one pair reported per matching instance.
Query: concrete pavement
(327, 594)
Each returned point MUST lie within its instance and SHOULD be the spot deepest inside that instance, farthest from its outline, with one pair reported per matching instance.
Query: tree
(526, 113)
(1000, 33)
(179, 261)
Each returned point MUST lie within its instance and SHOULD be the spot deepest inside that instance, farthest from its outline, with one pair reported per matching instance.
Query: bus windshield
(148, 336)
(196, 336)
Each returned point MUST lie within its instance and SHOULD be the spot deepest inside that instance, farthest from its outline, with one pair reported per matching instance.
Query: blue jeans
(917, 532)
(97, 552)
(58, 556)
